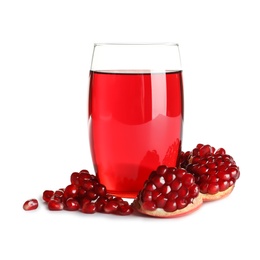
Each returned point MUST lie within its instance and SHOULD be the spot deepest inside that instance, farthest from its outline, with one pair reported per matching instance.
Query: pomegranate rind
(219, 195)
(160, 213)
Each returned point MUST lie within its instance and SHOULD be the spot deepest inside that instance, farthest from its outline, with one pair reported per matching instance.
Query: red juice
(135, 124)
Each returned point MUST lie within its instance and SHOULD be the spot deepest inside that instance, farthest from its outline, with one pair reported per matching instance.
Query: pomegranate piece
(30, 204)
(215, 171)
(168, 192)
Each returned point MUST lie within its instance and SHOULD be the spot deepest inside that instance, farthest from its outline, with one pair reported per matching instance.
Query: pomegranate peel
(220, 195)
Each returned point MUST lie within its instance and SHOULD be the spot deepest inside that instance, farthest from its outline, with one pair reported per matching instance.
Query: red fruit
(215, 171)
(30, 204)
(174, 193)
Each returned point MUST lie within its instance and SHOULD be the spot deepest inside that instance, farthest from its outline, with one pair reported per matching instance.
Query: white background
(45, 52)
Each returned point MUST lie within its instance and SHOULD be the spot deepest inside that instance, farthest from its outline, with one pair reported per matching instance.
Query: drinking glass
(135, 112)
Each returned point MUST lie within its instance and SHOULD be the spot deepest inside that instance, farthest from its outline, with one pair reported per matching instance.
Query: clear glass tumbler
(135, 112)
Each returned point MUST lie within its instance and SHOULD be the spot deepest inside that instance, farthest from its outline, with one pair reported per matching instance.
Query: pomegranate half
(215, 171)
(168, 192)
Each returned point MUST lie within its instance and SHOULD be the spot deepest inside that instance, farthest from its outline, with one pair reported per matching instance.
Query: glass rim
(136, 55)
(136, 44)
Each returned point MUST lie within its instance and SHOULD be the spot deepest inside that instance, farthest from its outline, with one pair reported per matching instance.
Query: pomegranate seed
(74, 178)
(84, 176)
(170, 206)
(183, 192)
(223, 185)
(146, 195)
(87, 184)
(234, 172)
(58, 194)
(173, 195)
(158, 181)
(71, 191)
(149, 186)
(169, 177)
(161, 170)
(125, 210)
(181, 203)
(165, 189)
(84, 200)
(156, 194)
(91, 195)
(194, 190)
(175, 185)
(111, 206)
(100, 190)
(81, 192)
(205, 150)
(30, 204)
(221, 151)
(161, 201)
(149, 205)
(188, 180)
(53, 204)
(47, 195)
(89, 208)
(213, 188)
(179, 173)
(84, 171)
(223, 175)
(72, 204)
(204, 187)
(100, 203)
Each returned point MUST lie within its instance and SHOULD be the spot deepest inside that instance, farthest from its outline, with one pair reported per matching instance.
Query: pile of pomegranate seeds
(84, 194)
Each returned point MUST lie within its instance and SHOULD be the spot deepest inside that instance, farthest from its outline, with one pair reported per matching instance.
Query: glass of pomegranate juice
(135, 112)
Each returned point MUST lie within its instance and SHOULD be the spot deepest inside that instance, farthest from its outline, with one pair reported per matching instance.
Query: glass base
(127, 195)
